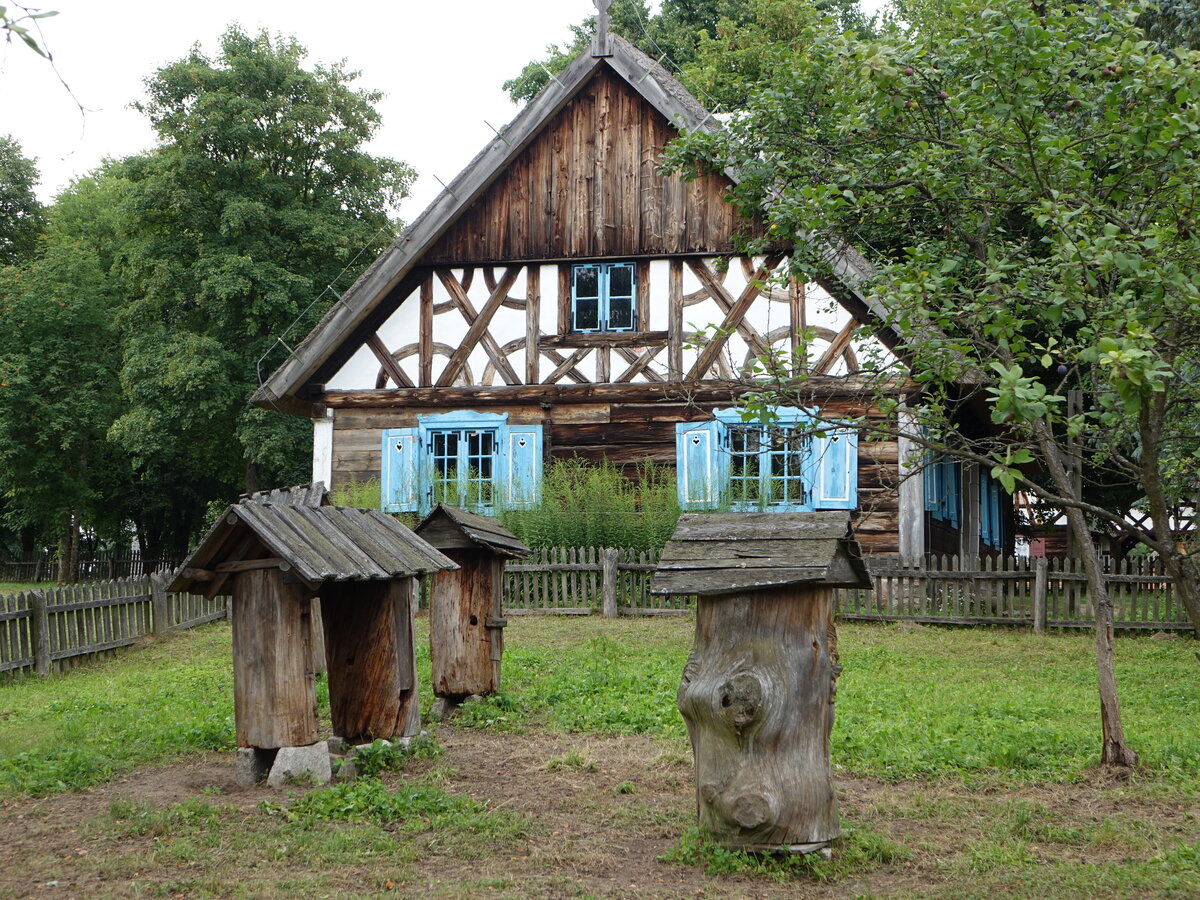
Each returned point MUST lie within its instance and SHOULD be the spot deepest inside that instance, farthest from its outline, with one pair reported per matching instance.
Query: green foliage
(358, 494)
(15, 25)
(21, 215)
(1026, 178)
(382, 756)
(259, 196)
(586, 505)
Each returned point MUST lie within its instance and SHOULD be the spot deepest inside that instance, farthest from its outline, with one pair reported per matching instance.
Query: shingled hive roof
(315, 494)
(317, 544)
(720, 553)
(449, 526)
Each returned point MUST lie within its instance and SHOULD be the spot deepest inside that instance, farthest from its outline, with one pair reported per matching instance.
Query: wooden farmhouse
(564, 298)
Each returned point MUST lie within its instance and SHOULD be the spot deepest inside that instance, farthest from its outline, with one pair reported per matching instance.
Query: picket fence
(43, 631)
(1015, 591)
(104, 565)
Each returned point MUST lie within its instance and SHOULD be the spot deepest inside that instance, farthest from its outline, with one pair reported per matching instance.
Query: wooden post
(39, 631)
(160, 604)
(757, 695)
(608, 582)
(1039, 595)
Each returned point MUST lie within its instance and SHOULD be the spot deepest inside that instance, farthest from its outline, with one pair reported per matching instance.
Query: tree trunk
(1113, 749)
(1186, 575)
(68, 549)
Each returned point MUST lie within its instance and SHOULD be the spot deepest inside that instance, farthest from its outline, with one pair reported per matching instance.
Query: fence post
(608, 581)
(1039, 594)
(39, 631)
(160, 605)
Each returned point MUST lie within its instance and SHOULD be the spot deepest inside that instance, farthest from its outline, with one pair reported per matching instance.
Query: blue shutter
(836, 454)
(521, 466)
(997, 520)
(933, 467)
(698, 464)
(953, 490)
(400, 486)
(985, 509)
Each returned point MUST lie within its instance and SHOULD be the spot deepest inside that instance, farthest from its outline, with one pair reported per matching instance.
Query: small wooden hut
(759, 686)
(274, 556)
(466, 617)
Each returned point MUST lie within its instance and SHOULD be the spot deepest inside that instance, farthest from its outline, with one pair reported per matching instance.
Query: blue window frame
(991, 518)
(943, 490)
(785, 465)
(604, 297)
(474, 460)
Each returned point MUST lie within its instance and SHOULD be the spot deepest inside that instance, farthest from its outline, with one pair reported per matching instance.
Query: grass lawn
(13, 587)
(964, 761)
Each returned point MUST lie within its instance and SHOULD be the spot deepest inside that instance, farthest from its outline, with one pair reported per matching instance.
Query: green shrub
(604, 505)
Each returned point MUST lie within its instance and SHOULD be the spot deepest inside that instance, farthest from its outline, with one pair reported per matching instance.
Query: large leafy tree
(1026, 178)
(21, 215)
(58, 366)
(259, 196)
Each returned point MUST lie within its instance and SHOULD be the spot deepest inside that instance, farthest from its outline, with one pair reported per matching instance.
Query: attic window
(603, 298)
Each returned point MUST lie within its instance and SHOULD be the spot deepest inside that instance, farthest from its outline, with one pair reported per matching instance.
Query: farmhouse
(564, 298)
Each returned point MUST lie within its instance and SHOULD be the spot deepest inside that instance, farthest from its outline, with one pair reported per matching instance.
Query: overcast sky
(439, 64)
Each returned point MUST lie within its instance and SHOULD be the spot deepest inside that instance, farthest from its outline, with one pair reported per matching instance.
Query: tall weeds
(599, 505)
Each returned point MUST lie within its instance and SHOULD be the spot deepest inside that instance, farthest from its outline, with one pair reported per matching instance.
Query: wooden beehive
(466, 619)
(758, 688)
(274, 556)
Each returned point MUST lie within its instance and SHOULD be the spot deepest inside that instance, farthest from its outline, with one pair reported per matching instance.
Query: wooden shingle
(449, 527)
(718, 553)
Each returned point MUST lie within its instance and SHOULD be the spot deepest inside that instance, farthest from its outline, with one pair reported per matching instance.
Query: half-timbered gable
(562, 297)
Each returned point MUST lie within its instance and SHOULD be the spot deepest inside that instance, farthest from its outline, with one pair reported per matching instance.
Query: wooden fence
(55, 629)
(582, 580)
(1016, 591)
(105, 565)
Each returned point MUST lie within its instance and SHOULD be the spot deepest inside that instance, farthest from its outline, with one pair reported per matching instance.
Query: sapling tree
(1023, 178)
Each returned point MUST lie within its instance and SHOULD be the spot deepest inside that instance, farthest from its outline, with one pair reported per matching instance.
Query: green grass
(924, 703)
(13, 587)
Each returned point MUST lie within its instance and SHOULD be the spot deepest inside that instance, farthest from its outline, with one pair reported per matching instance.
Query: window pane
(620, 281)
(587, 314)
(587, 281)
(745, 445)
(620, 314)
(445, 466)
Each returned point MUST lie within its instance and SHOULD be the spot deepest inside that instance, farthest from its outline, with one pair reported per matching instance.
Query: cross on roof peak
(602, 46)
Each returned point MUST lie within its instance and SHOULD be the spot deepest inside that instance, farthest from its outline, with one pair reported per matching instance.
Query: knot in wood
(741, 698)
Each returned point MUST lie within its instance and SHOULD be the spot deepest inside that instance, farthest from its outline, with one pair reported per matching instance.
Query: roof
(446, 526)
(363, 306)
(316, 544)
(315, 494)
(720, 553)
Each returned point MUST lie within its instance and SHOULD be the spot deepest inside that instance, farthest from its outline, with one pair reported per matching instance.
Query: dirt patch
(598, 814)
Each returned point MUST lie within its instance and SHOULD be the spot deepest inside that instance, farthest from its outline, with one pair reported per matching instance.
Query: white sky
(440, 65)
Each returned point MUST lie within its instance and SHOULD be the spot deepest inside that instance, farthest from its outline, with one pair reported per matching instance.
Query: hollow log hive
(276, 554)
(759, 686)
(466, 619)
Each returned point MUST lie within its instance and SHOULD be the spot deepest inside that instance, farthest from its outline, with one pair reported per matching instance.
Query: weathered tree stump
(757, 695)
(759, 685)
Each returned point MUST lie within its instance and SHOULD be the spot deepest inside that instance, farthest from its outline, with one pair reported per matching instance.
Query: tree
(21, 215)
(259, 197)
(672, 35)
(57, 398)
(18, 23)
(1026, 179)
